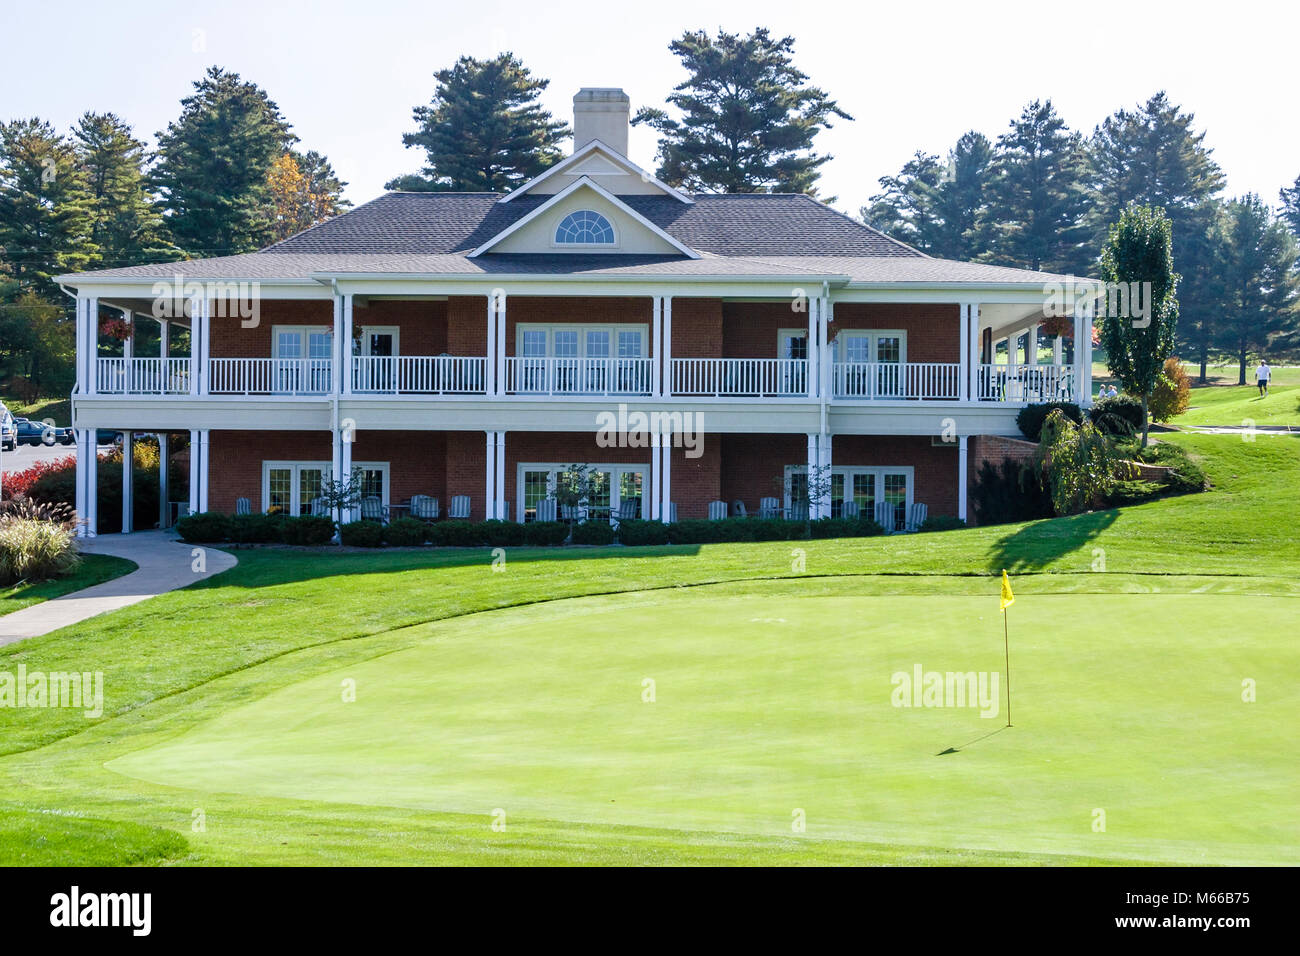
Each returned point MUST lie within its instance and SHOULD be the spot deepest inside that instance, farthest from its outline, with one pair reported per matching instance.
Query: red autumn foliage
(18, 482)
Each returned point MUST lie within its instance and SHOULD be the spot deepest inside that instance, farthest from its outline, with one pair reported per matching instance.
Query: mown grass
(175, 661)
(1240, 405)
(93, 569)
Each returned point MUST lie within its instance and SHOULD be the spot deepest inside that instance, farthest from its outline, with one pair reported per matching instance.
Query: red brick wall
(595, 310)
(935, 469)
(235, 462)
(749, 330)
(417, 462)
(697, 481)
(933, 331)
(467, 325)
(753, 466)
(466, 470)
(697, 328)
(230, 340)
(422, 325)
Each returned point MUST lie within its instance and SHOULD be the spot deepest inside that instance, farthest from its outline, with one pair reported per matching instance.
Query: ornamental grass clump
(36, 542)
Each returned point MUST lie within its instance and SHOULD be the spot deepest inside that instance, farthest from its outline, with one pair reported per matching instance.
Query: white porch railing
(142, 376)
(1027, 383)
(269, 376)
(740, 377)
(577, 376)
(419, 374)
(867, 381)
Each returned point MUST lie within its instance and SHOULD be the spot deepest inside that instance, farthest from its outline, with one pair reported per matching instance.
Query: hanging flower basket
(115, 329)
(1059, 325)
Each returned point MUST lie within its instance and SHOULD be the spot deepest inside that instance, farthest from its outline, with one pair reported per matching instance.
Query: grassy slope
(162, 655)
(94, 569)
(1235, 405)
(59, 409)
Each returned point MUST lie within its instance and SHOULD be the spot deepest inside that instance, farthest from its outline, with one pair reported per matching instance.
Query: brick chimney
(601, 113)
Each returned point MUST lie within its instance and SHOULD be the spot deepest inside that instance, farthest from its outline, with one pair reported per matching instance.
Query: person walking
(1262, 374)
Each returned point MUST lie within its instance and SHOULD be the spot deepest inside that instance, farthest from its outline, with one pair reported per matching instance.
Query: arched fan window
(584, 228)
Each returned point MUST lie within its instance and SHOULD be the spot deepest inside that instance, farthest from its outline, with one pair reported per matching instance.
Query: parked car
(39, 433)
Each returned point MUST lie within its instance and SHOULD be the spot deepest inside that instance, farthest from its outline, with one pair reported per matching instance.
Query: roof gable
(615, 171)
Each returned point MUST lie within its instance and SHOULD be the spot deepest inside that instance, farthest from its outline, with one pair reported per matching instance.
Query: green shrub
(775, 529)
(362, 534)
(1132, 491)
(60, 487)
(204, 527)
(1078, 464)
(37, 542)
(255, 529)
(406, 532)
(1008, 492)
(458, 534)
(307, 530)
(1031, 417)
(502, 534)
(593, 532)
(635, 531)
(1121, 415)
(543, 534)
(942, 523)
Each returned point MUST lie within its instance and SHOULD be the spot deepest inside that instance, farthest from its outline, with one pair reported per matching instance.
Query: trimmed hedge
(545, 534)
(406, 532)
(362, 534)
(1031, 417)
(635, 532)
(593, 532)
(204, 527)
(307, 530)
(256, 529)
(942, 523)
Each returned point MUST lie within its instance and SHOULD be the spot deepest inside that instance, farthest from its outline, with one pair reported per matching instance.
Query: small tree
(1139, 250)
(575, 486)
(1076, 463)
(341, 494)
(1172, 393)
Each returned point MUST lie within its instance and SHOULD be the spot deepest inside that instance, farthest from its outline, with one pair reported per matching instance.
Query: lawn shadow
(1035, 546)
(957, 750)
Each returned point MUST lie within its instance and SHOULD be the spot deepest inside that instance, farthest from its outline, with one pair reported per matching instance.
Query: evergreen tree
(1039, 196)
(907, 208)
(1290, 212)
(749, 119)
(213, 163)
(1260, 281)
(45, 207)
(126, 222)
(485, 130)
(1139, 249)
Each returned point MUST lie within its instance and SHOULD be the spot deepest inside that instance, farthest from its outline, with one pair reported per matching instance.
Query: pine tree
(45, 207)
(907, 209)
(485, 130)
(126, 222)
(749, 119)
(1260, 281)
(213, 163)
(1290, 212)
(1039, 195)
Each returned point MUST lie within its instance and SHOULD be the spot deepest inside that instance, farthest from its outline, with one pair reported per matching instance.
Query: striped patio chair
(799, 511)
(546, 510)
(886, 516)
(243, 506)
(916, 516)
(424, 507)
(850, 509)
(769, 508)
(717, 510)
(459, 507)
(372, 509)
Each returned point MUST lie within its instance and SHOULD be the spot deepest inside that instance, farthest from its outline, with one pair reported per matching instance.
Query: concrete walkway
(165, 564)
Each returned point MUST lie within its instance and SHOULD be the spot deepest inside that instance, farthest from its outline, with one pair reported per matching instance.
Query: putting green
(765, 707)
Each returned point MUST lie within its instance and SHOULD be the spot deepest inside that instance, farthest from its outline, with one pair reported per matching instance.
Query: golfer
(1262, 374)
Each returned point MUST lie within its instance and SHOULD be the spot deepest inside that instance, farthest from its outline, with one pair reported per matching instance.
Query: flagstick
(1006, 643)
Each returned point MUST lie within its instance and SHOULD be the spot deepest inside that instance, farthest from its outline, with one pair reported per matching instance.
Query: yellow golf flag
(1007, 597)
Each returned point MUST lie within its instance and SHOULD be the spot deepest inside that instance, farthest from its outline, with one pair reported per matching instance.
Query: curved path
(164, 564)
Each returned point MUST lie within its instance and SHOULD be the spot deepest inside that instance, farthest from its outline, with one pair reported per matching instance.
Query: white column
(668, 349)
(813, 462)
(345, 347)
(164, 339)
(824, 459)
(128, 465)
(1056, 350)
(164, 484)
(342, 361)
(1085, 394)
(501, 342)
(1032, 357)
(490, 362)
(501, 476)
(962, 466)
(195, 358)
(91, 325)
(976, 347)
(203, 471)
(490, 487)
(963, 352)
(656, 480)
(345, 471)
(823, 347)
(85, 495)
(666, 461)
(79, 339)
(814, 354)
(196, 467)
(656, 346)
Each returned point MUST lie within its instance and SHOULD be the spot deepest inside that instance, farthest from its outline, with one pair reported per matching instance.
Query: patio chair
(372, 509)
(570, 513)
(629, 510)
(850, 509)
(885, 516)
(738, 509)
(424, 507)
(316, 507)
(799, 511)
(243, 506)
(717, 510)
(769, 508)
(916, 516)
(672, 512)
(459, 507)
(546, 510)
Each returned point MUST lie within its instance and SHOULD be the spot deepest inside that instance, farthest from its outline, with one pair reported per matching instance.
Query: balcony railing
(1027, 383)
(419, 374)
(740, 378)
(577, 376)
(142, 376)
(870, 381)
(269, 376)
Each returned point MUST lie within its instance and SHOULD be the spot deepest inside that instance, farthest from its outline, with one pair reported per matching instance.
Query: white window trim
(306, 331)
(554, 468)
(368, 330)
(550, 328)
(555, 228)
(783, 334)
(326, 470)
(844, 335)
(848, 471)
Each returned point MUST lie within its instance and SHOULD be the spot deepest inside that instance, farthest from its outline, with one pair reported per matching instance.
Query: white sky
(914, 75)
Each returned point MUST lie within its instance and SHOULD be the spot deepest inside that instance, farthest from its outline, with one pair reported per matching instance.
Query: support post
(345, 347)
(196, 465)
(814, 355)
(342, 361)
(345, 470)
(501, 340)
(976, 351)
(656, 346)
(656, 480)
(668, 347)
(164, 483)
(1032, 357)
(1085, 394)
(964, 350)
(813, 461)
(203, 471)
(128, 465)
(500, 481)
(666, 461)
(490, 485)
(824, 509)
(962, 475)
(90, 384)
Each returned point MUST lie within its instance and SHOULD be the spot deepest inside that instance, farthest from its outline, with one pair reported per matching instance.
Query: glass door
(380, 345)
(793, 344)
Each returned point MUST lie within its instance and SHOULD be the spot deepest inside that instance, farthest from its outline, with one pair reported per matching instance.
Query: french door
(872, 363)
(303, 356)
(614, 488)
(865, 487)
